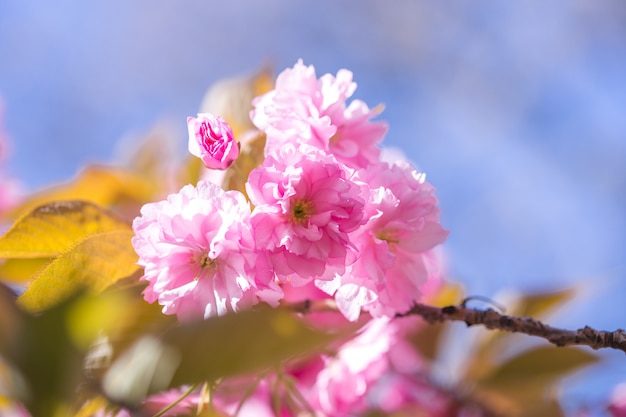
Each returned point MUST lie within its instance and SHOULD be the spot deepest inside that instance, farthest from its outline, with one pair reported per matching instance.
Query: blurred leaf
(543, 407)
(529, 403)
(20, 271)
(539, 304)
(522, 383)
(450, 294)
(11, 319)
(49, 362)
(52, 228)
(191, 170)
(538, 364)
(92, 407)
(113, 320)
(104, 186)
(231, 98)
(218, 347)
(428, 337)
(96, 262)
(155, 158)
(96, 314)
(250, 157)
(493, 344)
(427, 340)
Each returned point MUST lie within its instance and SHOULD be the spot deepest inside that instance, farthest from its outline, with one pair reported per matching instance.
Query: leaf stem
(177, 401)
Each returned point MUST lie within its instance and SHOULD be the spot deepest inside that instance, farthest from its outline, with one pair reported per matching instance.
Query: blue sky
(515, 110)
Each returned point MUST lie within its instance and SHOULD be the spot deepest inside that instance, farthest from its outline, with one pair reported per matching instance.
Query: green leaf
(10, 320)
(53, 228)
(235, 344)
(48, 362)
(543, 362)
(97, 262)
(524, 385)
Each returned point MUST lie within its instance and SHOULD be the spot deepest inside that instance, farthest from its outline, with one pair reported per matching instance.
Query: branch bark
(491, 319)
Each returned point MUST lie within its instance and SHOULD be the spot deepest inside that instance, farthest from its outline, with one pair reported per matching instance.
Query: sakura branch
(491, 319)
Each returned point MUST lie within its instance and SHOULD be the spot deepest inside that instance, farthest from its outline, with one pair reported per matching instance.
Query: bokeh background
(515, 110)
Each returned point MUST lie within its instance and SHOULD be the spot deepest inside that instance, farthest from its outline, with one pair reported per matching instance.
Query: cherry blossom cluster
(322, 209)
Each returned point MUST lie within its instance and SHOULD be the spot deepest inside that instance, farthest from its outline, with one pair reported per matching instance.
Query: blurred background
(515, 110)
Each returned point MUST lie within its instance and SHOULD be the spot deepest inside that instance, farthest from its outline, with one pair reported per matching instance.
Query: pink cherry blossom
(306, 204)
(197, 250)
(617, 403)
(10, 189)
(397, 262)
(304, 109)
(211, 139)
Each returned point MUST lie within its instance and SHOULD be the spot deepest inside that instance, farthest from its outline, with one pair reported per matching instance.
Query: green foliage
(46, 361)
(208, 350)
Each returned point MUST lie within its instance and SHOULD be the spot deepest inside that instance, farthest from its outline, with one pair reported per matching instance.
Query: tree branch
(491, 319)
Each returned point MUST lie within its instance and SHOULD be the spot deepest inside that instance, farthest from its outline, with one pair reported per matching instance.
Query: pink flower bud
(211, 139)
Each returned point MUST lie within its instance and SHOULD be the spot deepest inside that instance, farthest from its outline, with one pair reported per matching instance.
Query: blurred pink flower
(211, 139)
(10, 189)
(303, 109)
(197, 250)
(306, 204)
(396, 262)
(617, 403)
(342, 385)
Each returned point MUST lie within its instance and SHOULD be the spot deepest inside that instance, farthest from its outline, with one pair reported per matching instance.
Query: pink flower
(211, 139)
(197, 250)
(617, 405)
(303, 109)
(10, 189)
(397, 262)
(345, 383)
(306, 204)
(342, 386)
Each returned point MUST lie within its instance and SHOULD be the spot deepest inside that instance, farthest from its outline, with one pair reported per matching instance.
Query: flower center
(301, 211)
(203, 260)
(334, 139)
(391, 236)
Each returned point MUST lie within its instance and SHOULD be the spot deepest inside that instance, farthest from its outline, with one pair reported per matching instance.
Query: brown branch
(491, 319)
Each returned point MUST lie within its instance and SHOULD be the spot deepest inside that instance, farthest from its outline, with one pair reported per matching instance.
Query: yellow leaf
(104, 186)
(96, 262)
(53, 228)
(449, 294)
(92, 407)
(20, 270)
(538, 304)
